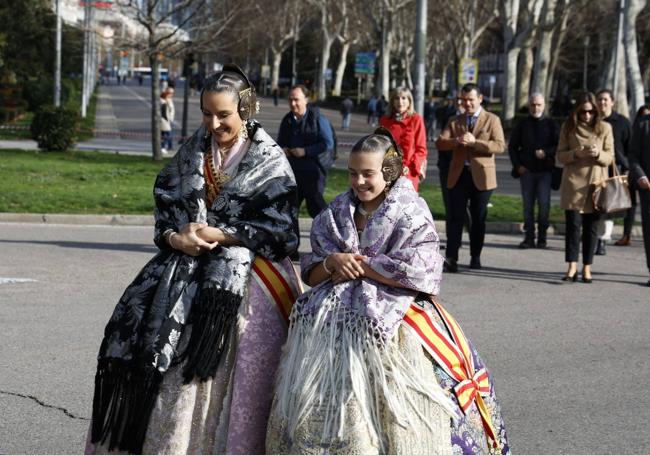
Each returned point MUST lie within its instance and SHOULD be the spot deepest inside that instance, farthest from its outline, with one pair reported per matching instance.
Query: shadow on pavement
(89, 245)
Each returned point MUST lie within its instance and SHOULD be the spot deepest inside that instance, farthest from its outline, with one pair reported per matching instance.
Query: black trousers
(644, 195)
(463, 192)
(630, 213)
(311, 185)
(589, 224)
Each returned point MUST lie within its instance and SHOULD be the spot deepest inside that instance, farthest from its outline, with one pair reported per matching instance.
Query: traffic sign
(468, 71)
(364, 64)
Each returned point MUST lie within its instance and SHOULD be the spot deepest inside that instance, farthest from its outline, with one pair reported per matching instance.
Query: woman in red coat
(407, 127)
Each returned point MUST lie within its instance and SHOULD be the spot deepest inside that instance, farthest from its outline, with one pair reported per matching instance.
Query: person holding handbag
(585, 150)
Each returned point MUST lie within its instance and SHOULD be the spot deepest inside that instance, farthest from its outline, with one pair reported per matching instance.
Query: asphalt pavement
(570, 360)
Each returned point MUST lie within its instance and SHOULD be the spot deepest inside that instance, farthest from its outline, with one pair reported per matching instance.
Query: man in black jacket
(532, 152)
(639, 172)
(622, 133)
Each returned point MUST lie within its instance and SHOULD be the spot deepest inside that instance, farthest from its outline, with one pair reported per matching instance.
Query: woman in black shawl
(189, 355)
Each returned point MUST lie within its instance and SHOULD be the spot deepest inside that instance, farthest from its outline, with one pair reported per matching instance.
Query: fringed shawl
(400, 242)
(181, 308)
(339, 335)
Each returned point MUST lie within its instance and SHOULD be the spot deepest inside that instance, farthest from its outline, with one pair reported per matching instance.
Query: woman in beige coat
(585, 150)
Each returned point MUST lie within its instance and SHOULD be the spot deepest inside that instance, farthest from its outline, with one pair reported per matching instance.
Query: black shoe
(527, 243)
(450, 265)
(587, 280)
(648, 283)
(541, 244)
(600, 248)
(475, 263)
(573, 278)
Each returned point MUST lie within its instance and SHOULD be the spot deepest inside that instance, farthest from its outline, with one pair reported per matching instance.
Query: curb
(495, 227)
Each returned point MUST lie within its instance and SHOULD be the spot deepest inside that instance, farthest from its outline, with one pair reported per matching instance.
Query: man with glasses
(473, 138)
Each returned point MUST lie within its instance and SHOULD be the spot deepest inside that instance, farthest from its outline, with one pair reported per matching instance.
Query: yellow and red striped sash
(277, 285)
(455, 357)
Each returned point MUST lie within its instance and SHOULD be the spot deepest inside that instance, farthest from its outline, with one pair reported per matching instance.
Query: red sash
(277, 285)
(455, 357)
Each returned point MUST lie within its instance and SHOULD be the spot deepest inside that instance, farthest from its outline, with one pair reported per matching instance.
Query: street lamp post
(57, 56)
(187, 72)
(420, 51)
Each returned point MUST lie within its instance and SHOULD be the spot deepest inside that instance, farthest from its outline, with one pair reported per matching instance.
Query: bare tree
(518, 25)
(349, 34)
(632, 10)
(161, 37)
(330, 25)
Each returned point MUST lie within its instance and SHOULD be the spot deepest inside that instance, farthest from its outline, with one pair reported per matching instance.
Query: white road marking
(4, 280)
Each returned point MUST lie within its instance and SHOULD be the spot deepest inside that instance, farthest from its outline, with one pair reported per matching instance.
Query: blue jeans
(166, 140)
(346, 121)
(536, 186)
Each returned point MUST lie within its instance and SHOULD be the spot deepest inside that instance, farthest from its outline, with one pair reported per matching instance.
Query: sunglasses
(590, 112)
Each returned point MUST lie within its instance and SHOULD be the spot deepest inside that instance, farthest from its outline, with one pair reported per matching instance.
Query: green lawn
(100, 183)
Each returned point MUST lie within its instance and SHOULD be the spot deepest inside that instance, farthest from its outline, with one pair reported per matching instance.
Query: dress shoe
(527, 243)
(587, 280)
(541, 244)
(623, 241)
(600, 248)
(573, 278)
(450, 265)
(475, 263)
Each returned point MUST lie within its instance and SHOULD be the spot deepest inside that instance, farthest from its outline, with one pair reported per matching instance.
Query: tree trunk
(510, 12)
(622, 105)
(155, 106)
(385, 65)
(276, 56)
(543, 57)
(526, 61)
(340, 70)
(632, 10)
(324, 60)
(559, 32)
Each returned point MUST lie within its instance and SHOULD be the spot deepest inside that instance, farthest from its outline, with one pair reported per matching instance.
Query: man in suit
(473, 137)
(639, 172)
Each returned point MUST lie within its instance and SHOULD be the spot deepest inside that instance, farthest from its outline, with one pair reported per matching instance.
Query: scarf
(339, 335)
(182, 308)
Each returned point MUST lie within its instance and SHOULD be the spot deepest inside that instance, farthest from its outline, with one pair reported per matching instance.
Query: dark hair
(645, 107)
(605, 90)
(572, 121)
(469, 87)
(382, 142)
(232, 80)
(302, 88)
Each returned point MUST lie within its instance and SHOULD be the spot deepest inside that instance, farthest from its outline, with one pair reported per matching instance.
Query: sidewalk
(511, 228)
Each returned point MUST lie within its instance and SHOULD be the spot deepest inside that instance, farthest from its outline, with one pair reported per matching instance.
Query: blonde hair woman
(407, 127)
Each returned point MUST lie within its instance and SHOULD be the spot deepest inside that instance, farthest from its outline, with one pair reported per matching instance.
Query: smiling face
(221, 118)
(605, 104)
(366, 179)
(401, 103)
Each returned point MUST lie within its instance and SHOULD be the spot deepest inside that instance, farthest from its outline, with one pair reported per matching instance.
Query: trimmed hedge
(55, 128)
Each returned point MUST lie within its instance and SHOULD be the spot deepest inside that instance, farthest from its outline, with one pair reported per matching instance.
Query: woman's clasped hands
(189, 241)
(344, 266)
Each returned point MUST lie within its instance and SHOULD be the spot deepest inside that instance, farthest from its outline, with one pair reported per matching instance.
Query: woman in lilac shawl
(353, 378)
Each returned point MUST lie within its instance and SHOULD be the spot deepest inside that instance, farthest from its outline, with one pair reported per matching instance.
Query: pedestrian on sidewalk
(622, 131)
(640, 172)
(407, 126)
(347, 105)
(474, 138)
(200, 329)
(167, 113)
(532, 152)
(354, 377)
(372, 111)
(585, 150)
(430, 118)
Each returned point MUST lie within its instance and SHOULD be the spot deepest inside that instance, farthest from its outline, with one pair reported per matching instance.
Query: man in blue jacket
(307, 138)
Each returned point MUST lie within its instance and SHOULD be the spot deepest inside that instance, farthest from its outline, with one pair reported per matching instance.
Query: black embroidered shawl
(181, 308)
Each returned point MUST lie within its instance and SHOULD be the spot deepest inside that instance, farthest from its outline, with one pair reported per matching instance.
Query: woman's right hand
(187, 241)
(345, 266)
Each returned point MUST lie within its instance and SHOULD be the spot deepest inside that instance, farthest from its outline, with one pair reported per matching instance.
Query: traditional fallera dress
(374, 369)
(189, 355)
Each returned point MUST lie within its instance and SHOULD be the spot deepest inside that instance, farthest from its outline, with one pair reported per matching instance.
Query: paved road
(570, 360)
(127, 108)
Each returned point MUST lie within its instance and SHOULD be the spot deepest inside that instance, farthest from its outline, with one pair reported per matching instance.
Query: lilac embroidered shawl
(399, 241)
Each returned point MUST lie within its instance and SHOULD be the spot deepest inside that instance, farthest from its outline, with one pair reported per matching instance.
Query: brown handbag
(612, 194)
